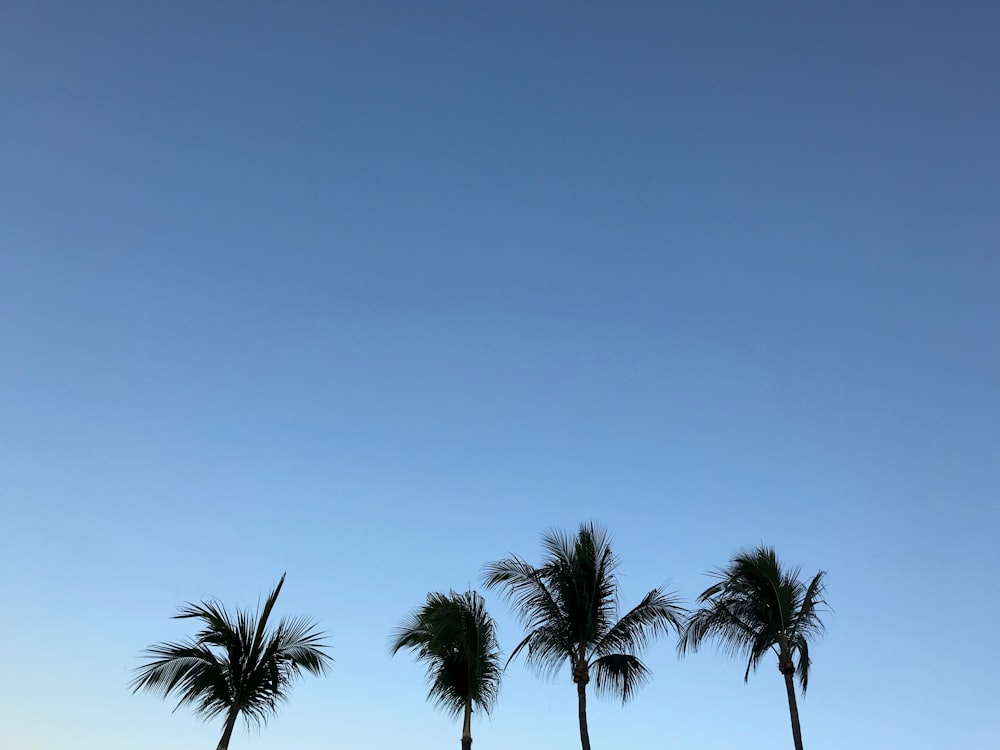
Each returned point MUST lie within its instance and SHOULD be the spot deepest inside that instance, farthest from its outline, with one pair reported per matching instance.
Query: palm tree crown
(757, 607)
(570, 608)
(234, 665)
(456, 638)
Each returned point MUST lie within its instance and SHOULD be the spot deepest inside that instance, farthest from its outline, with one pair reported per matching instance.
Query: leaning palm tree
(234, 665)
(756, 607)
(569, 606)
(456, 637)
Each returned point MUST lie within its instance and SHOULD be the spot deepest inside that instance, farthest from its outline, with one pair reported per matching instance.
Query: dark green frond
(549, 650)
(525, 587)
(298, 642)
(802, 668)
(807, 620)
(262, 619)
(619, 675)
(714, 620)
(657, 614)
(190, 672)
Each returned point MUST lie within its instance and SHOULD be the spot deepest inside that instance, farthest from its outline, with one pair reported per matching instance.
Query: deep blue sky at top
(376, 292)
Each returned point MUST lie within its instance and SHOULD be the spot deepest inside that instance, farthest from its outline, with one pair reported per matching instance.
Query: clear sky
(374, 293)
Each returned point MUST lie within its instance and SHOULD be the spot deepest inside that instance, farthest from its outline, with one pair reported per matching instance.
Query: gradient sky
(374, 293)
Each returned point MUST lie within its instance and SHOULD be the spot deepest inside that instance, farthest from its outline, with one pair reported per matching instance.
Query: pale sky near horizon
(374, 293)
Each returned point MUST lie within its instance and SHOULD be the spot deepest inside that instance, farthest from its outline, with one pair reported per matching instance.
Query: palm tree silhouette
(234, 665)
(570, 607)
(759, 607)
(456, 637)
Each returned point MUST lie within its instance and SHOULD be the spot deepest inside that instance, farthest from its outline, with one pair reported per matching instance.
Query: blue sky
(374, 293)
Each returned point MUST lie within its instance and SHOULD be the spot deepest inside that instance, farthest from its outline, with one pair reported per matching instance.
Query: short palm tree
(234, 665)
(456, 637)
(757, 607)
(569, 606)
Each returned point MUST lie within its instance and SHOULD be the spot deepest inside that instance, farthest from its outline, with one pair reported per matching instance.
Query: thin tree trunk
(467, 727)
(581, 692)
(227, 733)
(793, 709)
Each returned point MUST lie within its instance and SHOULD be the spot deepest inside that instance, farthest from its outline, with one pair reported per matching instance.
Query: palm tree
(234, 665)
(569, 606)
(456, 637)
(756, 607)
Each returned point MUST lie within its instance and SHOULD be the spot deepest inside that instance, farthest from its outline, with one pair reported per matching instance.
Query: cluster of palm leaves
(569, 606)
(234, 665)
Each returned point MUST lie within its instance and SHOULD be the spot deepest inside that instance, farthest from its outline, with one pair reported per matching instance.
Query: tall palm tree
(569, 606)
(234, 665)
(456, 637)
(757, 607)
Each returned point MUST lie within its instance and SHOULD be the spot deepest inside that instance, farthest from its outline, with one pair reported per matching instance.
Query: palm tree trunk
(793, 709)
(227, 733)
(581, 693)
(467, 727)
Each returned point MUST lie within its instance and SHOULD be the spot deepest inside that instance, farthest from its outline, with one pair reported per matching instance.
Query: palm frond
(714, 620)
(808, 621)
(524, 586)
(540, 609)
(655, 615)
(188, 670)
(298, 642)
(619, 675)
(549, 650)
(261, 630)
(802, 668)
